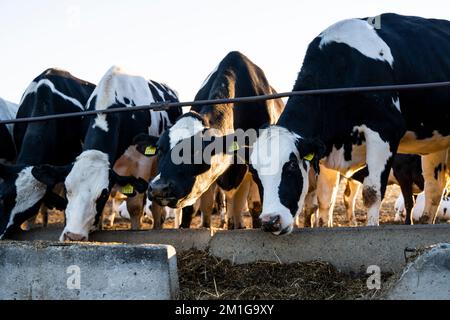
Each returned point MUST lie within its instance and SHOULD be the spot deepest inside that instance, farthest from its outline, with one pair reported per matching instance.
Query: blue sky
(173, 41)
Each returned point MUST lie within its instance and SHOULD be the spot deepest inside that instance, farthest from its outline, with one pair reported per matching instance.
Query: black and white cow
(8, 111)
(348, 131)
(180, 184)
(91, 178)
(48, 142)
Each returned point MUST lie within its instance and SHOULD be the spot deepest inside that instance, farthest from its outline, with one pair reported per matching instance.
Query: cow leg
(108, 214)
(158, 214)
(236, 200)
(254, 205)
(434, 173)
(207, 201)
(379, 158)
(351, 190)
(408, 198)
(310, 209)
(327, 188)
(135, 206)
(178, 216)
(186, 217)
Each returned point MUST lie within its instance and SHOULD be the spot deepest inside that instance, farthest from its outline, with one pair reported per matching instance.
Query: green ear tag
(128, 189)
(150, 151)
(309, 157)
(234, 147)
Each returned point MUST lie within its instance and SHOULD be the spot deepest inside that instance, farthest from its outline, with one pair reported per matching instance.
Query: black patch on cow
(291, 184)
(232, 177)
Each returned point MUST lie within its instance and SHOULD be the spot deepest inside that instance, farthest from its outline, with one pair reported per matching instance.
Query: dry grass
(206, 277)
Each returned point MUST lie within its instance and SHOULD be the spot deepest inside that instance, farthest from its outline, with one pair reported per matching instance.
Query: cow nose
(160, 190)
(69, 236)
(271, 223)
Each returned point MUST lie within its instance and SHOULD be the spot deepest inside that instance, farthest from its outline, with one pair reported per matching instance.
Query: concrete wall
(349, 249)
(41, 271)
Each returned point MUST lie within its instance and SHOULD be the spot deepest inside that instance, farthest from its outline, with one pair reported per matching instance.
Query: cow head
(87, 189)
(280, 162)
(22, 191)
(190, 158)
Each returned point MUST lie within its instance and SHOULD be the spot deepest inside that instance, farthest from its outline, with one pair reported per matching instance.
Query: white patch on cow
(270, 153)
(101, 123)
(118, 86)
(160, 93)
(377, 154)
(360, 35)
(209, 77)
(8, 111)
(396, 103)
(28, 192)
(156, 118)
(157, 178)
(183, 129)
(84, 184)
(34, 86)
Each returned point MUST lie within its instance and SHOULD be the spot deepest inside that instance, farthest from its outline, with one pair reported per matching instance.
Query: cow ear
(51, 175)
(146, 144)
(311, 150)
(8, 171)
(130, 185)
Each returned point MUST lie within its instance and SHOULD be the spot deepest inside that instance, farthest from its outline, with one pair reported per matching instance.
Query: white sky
(174, 41)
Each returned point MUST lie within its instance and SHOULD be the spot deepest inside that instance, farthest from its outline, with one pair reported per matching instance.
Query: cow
(406, 172)
(8, 111)
(180, 183)
(54, 142)
(347, 131)
(90, 178)
(443, 213)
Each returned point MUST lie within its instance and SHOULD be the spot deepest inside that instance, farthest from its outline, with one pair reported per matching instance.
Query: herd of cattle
(309, 144)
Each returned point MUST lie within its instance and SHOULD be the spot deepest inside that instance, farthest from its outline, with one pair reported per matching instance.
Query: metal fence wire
(160, 106)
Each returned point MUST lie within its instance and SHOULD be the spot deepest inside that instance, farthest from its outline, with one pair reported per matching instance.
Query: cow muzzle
(272, 223)
(162, 193)
(69, 236)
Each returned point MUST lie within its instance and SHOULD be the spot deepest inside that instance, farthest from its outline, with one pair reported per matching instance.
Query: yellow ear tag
(234, 147)
(309, 157)
(128, 189)
(150, 151)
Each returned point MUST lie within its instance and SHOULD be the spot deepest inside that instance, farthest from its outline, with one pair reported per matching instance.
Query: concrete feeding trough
(44, 270)
(348, 249)
(426, 278)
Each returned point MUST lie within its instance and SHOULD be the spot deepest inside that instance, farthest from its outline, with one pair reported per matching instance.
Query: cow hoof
(256, 223)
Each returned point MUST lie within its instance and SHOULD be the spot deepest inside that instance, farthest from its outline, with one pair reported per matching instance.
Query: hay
(205, 277)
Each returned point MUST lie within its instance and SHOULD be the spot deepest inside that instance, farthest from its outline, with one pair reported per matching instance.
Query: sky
(172, 41)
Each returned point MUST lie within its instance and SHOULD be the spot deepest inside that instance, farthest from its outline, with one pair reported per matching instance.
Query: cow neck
(302, 116)
(219, 117)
